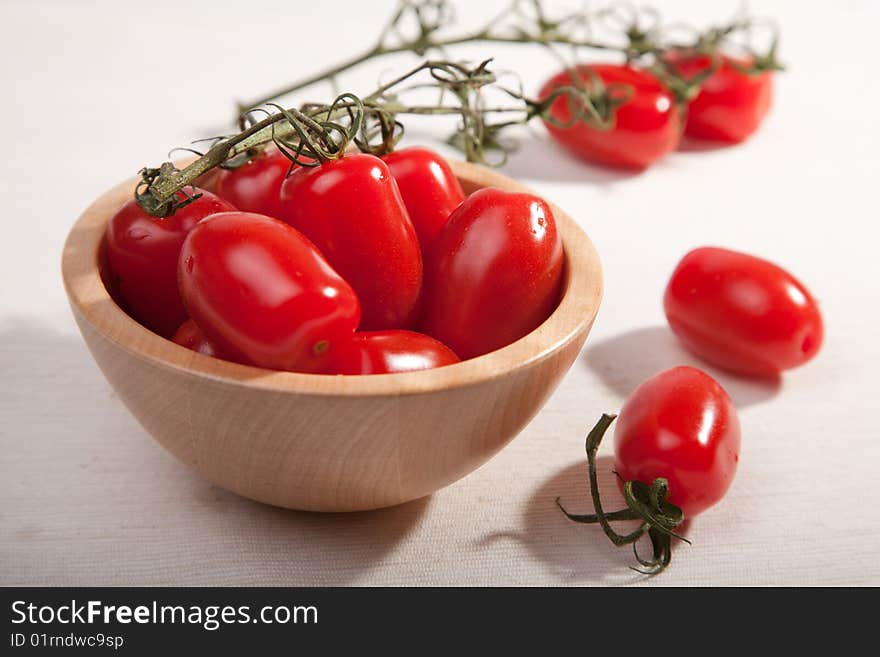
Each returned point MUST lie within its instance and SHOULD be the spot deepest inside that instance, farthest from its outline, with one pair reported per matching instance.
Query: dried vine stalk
(423, 26)
(316, 133)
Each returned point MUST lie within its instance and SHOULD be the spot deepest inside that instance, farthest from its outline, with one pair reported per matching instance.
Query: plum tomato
(352, 210)
(680, 425)
(257, 287)
(189, 335)
(742, 313)
(255, 186)
(429, 189)
(645, 127)
(731, 102)
(384, 352)
(493, 273)
(142, 254)
(676, 449)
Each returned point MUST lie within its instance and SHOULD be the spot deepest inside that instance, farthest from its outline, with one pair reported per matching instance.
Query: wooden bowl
(329, 443)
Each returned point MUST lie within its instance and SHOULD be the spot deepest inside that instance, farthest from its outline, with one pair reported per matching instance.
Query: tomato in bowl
(329, 443)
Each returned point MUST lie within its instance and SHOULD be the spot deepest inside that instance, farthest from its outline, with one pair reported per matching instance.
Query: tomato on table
(385, 352)
(493, 273)
(259, 289)
(646, 126)
(676, 450)
(732, 101)
(142, 253)
(682, 426)
(428, 187)
(742, 313)
(352, 210)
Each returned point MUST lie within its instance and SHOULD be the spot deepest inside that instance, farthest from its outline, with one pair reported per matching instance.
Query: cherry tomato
(352, 210)
(646, 126)
(494, 272)
(429, 189)
(384, 352)
(189, 335)
(259, 288)
(742, 313)
(256, 185)
(731, 103)
(142, 253)
(680, 425)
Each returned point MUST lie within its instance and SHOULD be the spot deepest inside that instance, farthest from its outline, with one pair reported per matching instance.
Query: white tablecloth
(93, 91)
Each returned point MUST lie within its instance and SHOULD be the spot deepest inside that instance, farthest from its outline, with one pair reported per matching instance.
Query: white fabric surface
(89, 498)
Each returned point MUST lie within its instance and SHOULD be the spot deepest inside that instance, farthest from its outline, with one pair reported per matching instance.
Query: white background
(92, 91)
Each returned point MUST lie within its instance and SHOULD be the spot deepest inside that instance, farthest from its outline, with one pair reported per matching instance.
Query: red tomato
(429, 189)
(742, 313)
(646, 127)
(256, 185)
(731, 104)
(384, 352)
(494, 272)
(142, 253)
(189, 335)
(680, 425)
(352, 210)
(258, 288)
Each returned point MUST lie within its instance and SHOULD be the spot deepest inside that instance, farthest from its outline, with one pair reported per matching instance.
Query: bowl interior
(91, 290)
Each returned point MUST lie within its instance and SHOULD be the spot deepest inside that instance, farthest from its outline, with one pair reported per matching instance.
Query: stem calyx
(649, 504)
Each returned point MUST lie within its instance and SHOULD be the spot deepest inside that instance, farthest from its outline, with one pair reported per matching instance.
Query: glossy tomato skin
(352, 210)
(142, 254)
(386, 352)
(731, 104)
(494, 272)
(681, 425)
(259, 288)
(742, 313)
(189, 335)
(428, 187)
(256, 185)
(646, 127)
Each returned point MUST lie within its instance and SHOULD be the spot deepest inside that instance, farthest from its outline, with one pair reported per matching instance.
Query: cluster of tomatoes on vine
(705, 95)
(355, 265)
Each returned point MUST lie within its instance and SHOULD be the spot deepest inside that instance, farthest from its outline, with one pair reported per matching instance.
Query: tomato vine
(486, 107)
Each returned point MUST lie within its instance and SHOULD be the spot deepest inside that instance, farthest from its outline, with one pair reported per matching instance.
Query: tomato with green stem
(680, 425)
(259, 289)
(676, 451)
(733, 99)
(142, 253)
(643, 118)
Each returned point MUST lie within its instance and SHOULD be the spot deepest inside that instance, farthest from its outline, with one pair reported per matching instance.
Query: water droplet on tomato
(807, 344)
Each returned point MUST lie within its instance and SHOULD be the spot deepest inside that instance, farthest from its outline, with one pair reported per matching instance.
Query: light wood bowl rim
(573, 316)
